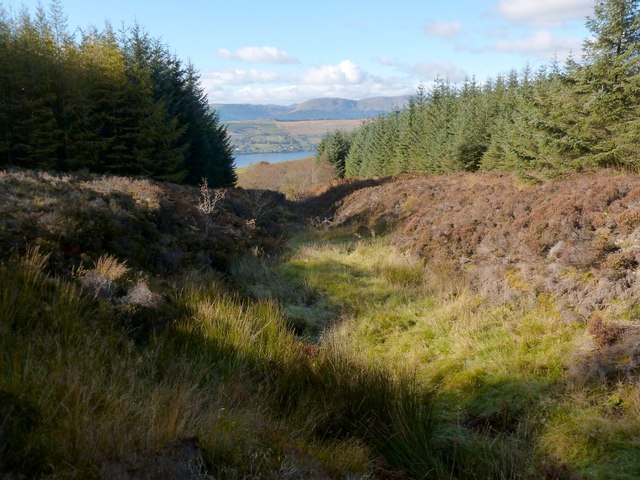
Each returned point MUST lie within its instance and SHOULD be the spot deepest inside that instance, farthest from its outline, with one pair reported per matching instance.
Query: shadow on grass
(336, 397)
(325, 204)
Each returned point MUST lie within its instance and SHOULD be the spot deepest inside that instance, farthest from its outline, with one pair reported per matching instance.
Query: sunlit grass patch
(597, 432)
(500, 368)
(110, 267)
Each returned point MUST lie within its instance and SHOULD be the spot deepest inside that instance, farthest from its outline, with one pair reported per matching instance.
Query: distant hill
(315, 109)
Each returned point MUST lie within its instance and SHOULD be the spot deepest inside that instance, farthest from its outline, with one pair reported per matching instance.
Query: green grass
(79, 390)
(500, 369)
(343, 358)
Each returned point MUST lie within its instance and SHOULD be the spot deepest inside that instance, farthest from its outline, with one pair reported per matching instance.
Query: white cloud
(239, 77)
(443, 29)
(259, 55)
(545, 12)
(345, 73)
(288, 94)
(345, 80)
(431, 70)
(543, 44)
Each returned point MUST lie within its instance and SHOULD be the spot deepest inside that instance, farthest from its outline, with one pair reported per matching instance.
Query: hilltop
(315, 109)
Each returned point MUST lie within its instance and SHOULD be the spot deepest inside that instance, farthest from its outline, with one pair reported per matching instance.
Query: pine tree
(6, 87)
(334, 149)
(36, 136)
(355, 163)
(469, 133)
(210, 154)
(609, 85)
(434, 156)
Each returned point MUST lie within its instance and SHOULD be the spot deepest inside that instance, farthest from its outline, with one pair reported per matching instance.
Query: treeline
(104, 101)
(559, 119)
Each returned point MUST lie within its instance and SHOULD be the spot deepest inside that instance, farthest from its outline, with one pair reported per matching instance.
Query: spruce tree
(609, 85)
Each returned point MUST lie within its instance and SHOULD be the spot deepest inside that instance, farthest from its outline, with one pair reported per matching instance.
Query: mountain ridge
(334, 108)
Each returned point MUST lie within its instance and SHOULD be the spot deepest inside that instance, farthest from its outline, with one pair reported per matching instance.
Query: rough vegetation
(295, 178)
(416, 327)
(512, 300)
(124, 354)
(575, 239)
(155, 226)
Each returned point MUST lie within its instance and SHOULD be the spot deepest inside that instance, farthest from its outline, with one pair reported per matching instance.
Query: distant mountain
(316, 109)
(243, 111)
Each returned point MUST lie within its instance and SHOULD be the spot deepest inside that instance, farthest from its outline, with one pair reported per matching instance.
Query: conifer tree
(6, 86)
(334, 149)
(121, 105)
(610, 85)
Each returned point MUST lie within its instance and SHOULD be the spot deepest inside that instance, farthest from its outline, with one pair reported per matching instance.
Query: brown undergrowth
(578, 239)
(294, 178)
(154, 226)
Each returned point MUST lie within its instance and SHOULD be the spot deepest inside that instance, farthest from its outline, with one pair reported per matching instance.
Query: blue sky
(283, 52)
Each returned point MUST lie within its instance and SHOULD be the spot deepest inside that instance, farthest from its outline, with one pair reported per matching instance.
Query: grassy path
(507, 407)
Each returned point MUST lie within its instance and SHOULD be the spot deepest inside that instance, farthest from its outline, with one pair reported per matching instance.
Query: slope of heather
(154, 226)
(126, 354)
(578, 239)
(293, 178)
(145, 334)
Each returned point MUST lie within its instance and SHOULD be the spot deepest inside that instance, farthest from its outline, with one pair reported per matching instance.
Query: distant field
(318, 127)
(266, 136)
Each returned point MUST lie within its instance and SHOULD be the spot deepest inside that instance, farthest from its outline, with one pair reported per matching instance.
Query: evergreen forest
(576, 116)
(106, 101)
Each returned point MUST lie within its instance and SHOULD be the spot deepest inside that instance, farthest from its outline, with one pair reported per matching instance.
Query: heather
(410, 327)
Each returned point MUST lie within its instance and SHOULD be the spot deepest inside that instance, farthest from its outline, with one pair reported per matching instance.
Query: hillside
(315, 109)
(267, 136)
(456, 326)
(575, 239)
(294, 178)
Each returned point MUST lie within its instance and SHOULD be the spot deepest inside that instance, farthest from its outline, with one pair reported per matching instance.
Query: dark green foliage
(107, 104)
(608, 86)
(20, 447)
(333, 149)
(579, 117)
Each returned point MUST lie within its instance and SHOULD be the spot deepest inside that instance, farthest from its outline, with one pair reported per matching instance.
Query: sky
(284, 51)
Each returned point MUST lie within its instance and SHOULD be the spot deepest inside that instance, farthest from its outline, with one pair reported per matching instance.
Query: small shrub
(605, 333)
(208, 201)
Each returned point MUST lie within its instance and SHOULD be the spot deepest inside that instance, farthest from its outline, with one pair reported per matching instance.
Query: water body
(246, 159)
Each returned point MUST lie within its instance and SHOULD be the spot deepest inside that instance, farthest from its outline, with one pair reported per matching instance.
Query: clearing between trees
(460, 326)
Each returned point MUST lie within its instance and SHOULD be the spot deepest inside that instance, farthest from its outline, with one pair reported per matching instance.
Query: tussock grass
(109, 267)
(79, 393)
(345, 358)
